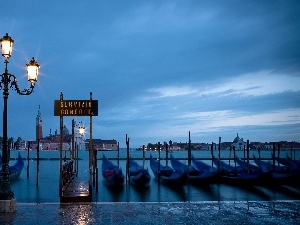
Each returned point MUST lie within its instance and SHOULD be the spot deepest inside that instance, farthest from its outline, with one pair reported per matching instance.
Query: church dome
(65, 130)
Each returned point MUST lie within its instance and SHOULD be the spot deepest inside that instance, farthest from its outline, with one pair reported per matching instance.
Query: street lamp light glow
(6, 46)
(32, 70)
(81, 130)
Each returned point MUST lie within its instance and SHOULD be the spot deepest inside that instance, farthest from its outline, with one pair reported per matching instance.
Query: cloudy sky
(159, 69)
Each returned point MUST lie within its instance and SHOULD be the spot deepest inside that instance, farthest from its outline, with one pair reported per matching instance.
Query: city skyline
(159, 69)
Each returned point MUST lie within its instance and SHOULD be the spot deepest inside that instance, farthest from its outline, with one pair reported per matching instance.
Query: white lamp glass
(32, 70)
(6, 46)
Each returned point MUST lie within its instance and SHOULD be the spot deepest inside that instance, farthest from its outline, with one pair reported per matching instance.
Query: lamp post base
(8, 206)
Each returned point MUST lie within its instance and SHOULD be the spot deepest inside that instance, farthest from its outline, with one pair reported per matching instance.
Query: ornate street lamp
(9, 81)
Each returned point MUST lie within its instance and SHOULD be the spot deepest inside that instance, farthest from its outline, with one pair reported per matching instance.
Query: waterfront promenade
(258, 212)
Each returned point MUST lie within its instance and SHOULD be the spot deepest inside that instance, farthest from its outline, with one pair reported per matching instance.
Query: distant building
(289, 145)
(226, 145)
(268, 145)
(39, 125)
(238, 143)
(103, 145)
(284, 145)
(52, 141)
(256, 145)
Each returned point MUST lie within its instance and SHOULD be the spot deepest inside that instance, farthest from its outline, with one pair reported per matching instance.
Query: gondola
(16, 169)
(268, 166)
(112, 175)
(224, 168)
(165, 174)
(247, 166)
(289, 162)
(278, 175)
(238, 175)
(203, 175)
(294, 162)
(139, 176)
(201, 165)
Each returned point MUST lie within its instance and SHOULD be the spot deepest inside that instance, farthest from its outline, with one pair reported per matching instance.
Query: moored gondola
(166, 174)
(203, 175)
(289, 162)
(139, 176)
(278, 175)
(16, 169)
(112, 175)
(238, 175)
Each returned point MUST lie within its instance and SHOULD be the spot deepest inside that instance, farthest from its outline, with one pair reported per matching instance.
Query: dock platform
(76, 191)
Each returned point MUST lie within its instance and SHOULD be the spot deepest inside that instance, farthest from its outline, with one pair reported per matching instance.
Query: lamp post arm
(7, 78)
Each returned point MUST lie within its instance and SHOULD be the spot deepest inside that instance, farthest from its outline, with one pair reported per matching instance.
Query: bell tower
(39, 125)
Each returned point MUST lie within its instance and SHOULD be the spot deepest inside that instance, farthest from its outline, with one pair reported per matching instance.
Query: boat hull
(16, 169)
(201, 175)
(112, 175)
(166, 175)
(138, 175)
(141, 179)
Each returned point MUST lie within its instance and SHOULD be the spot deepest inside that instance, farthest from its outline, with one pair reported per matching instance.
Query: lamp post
(9, 81)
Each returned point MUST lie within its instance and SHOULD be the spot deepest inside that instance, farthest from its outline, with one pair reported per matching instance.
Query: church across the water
(52, 141)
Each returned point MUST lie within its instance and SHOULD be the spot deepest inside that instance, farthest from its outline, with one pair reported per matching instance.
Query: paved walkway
(270, 212)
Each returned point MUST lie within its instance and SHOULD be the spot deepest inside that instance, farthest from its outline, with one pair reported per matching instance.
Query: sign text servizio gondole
(75, 107)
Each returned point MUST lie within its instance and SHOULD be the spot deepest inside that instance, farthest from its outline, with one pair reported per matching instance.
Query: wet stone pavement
(258, 212)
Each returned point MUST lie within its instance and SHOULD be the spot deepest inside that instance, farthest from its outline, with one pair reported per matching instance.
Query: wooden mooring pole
(158, 169)
(28, 159)
(189, 159)
(273, 155)
(294, 153)
(230, 155)
(37, 163)
(189, 150)
(212, 153)
(219, 153)
(259, 156)
(118, 163)
(143, 156)
(234, 156)
(248, 156)
(96, 168)
(167, 154)
(97, 180)
(61, 121)
(127, 160)
(278, 153)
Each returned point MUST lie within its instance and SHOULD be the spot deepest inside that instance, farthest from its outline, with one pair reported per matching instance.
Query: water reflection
(202, 190)
(142, 193)
(256, 191)
(114, 193)
(178, 191)
(81, 214)
(286, 190)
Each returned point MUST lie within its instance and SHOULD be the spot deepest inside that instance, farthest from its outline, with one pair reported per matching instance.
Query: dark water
(26, 190)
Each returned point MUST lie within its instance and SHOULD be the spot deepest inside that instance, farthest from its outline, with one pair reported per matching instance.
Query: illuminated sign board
(75, 107)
